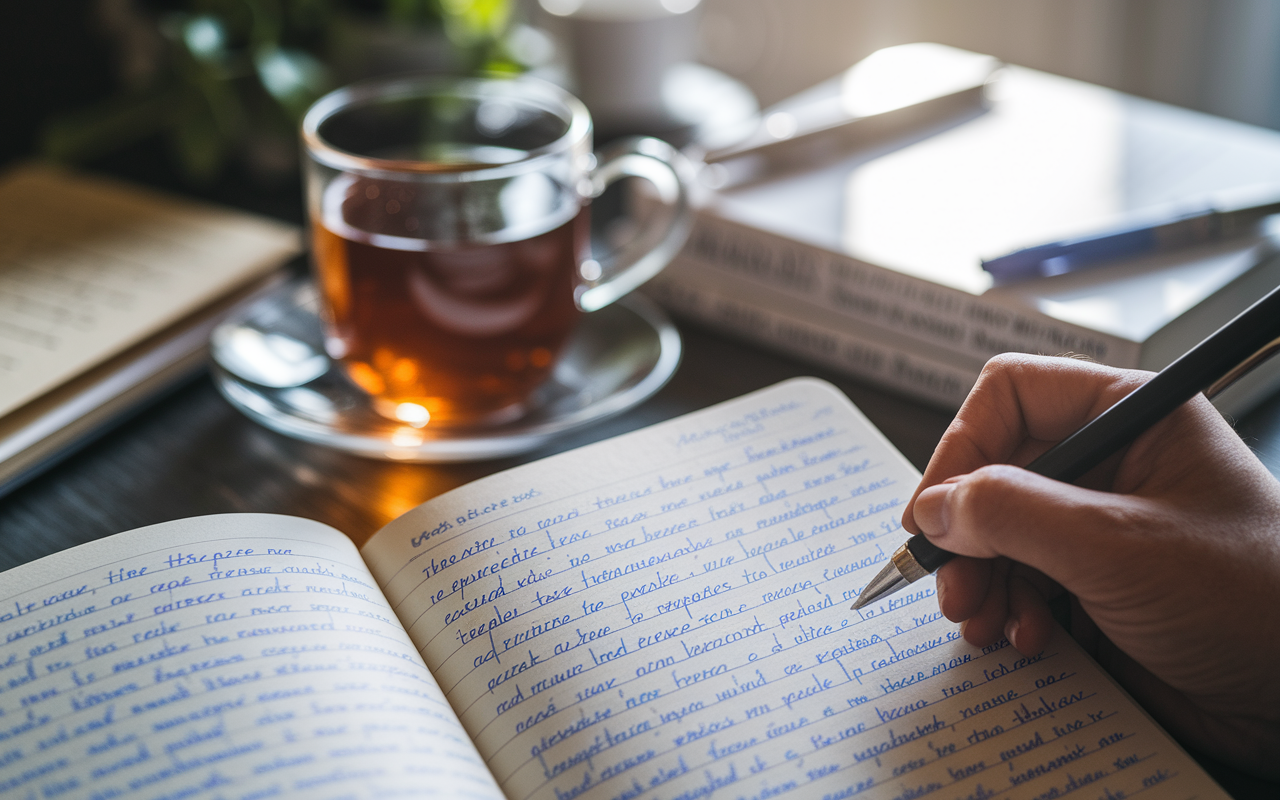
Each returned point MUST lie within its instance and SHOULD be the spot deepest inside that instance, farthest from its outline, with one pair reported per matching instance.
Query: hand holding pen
(1224, 357)
(1170, 550)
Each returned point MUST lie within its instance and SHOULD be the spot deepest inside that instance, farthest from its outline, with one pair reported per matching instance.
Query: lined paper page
(241, 656)
(665, 615)
(89, 267)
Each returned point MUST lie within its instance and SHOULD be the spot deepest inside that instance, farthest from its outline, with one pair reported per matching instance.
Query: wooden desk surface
(193, 454)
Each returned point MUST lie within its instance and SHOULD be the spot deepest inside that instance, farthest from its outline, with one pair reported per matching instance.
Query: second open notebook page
(665, 614)
(235, 656)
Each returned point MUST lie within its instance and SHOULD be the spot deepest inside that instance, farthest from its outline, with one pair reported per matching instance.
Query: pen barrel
(1151, 402)
(927, 554)
(1232, 344)
(1190, 229)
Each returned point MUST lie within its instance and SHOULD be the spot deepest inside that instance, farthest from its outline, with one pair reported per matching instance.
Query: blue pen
(1208, 224)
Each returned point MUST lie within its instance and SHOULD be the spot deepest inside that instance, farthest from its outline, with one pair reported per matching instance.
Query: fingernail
(932, 508)
(1010, 631)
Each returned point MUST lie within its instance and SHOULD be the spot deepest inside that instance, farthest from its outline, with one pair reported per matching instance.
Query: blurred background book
(866, 265)
(108, 295)
(872, 263)
(1216, 56)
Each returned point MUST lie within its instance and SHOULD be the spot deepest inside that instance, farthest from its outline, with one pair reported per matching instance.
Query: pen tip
(887, 581)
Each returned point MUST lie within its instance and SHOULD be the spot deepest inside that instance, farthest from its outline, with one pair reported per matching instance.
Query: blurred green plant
(234, 77)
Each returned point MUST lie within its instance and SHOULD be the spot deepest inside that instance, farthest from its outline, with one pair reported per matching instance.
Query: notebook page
(665, 615)
(89, 267)
(235, 656)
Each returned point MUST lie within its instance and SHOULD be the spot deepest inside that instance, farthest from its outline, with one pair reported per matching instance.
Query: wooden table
(193, 454)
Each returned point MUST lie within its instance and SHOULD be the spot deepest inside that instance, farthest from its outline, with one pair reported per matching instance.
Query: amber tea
(450, 238)
(463, 330)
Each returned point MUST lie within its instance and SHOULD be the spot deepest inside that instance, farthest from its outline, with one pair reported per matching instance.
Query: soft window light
(561, 8)
(900, 76)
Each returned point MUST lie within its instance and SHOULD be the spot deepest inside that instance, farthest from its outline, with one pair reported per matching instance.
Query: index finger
(1020, 406)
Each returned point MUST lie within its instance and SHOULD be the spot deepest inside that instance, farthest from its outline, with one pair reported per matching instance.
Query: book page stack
(108, 293)
(872, 265)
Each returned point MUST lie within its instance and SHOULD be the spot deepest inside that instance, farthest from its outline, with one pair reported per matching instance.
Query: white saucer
(270, 363)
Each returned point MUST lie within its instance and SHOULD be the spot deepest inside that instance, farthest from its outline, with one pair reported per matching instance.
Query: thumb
(1073, 535)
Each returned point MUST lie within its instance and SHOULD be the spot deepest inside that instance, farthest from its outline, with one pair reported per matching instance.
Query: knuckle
(1007, 364)
(1122, 381)
(996, 478)
(1016, 367)
(983, 498)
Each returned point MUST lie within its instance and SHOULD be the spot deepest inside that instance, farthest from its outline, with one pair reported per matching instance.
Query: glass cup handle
(613, 275)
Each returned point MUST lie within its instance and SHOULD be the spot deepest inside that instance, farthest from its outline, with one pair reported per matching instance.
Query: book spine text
(939, 316)
(933, 381)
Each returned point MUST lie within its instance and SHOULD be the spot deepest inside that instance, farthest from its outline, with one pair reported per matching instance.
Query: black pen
(1217, 362)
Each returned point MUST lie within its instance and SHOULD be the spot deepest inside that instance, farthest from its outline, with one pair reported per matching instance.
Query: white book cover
(895, 237)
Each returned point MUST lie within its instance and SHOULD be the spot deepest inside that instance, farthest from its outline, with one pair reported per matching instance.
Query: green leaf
(470, 21)
(414, 13)
(293, 77)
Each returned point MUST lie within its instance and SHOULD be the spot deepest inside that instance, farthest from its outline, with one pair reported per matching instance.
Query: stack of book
(872, 265)
(108, 293)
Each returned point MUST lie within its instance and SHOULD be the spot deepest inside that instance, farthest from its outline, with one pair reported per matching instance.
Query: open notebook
(663, 615)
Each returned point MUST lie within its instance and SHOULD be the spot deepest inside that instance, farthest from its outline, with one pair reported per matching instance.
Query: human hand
(1171, 549)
